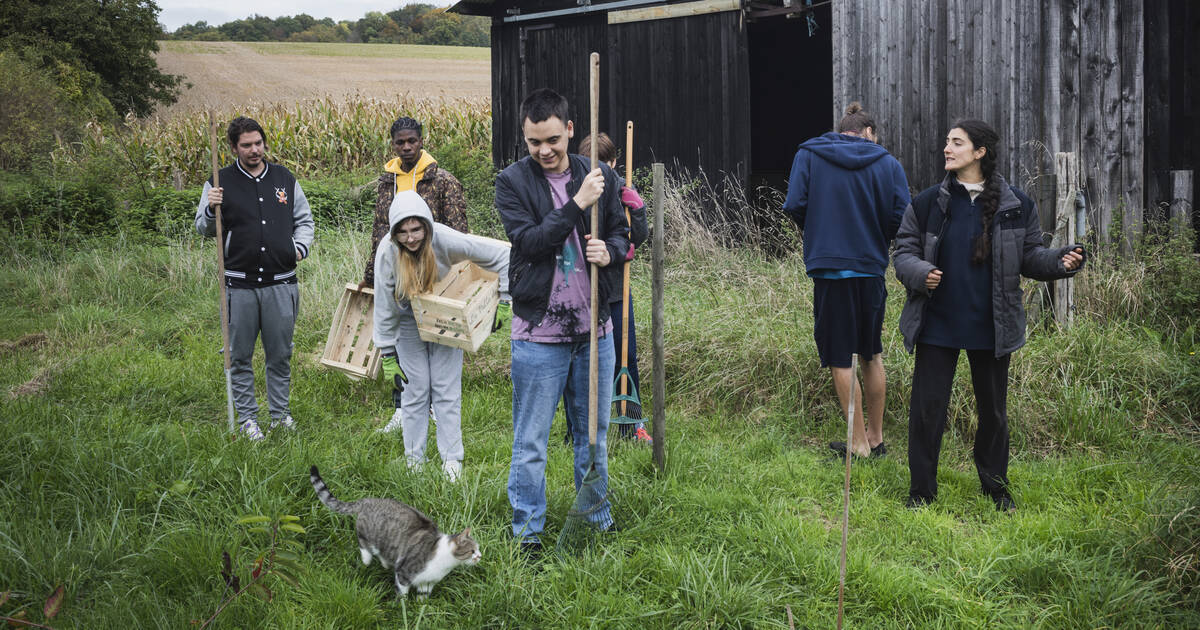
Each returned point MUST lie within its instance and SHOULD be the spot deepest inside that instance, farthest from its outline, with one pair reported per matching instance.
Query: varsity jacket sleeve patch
(302, 223)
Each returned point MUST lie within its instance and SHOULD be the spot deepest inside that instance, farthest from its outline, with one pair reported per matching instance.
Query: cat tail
(326, 496)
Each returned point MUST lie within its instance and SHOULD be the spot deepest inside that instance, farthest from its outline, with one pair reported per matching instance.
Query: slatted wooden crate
(349, 348)
(459, 310)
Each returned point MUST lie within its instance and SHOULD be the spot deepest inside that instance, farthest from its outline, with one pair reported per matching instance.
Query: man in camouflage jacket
(438, 187)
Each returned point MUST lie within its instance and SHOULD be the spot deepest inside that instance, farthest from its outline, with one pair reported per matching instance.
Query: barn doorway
(791, 88)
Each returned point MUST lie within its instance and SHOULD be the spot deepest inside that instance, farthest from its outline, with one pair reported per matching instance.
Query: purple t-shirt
(568, 314)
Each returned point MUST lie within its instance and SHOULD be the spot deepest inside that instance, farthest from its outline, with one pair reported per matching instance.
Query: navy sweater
(848, 195)
(959, 314)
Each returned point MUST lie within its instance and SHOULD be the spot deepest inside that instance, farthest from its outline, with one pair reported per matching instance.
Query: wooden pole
(846, 491)
(656, 322)
(1066, 170)
(216, 183)
(1182, 196)
(593, 356)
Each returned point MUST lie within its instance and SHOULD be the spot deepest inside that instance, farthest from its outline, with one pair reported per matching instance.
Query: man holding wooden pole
(268, 228)
(543, 201)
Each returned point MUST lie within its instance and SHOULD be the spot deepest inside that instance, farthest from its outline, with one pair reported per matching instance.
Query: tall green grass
(121, 484)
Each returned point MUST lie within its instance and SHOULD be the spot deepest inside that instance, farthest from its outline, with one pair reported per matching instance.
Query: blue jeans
(542, 373)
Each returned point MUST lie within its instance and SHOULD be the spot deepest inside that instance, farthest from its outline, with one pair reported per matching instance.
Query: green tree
(114, 39)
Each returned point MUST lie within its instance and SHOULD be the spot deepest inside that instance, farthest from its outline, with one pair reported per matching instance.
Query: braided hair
(403, 123)
(982, 136)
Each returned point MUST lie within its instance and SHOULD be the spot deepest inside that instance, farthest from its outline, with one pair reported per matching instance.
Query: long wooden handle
(594, 354)
(625, 306)
(216, 179)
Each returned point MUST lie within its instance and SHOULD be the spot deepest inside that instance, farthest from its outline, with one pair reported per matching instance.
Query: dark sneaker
(1004, 501)
(840, 449)
(879, 451)
(916, 502)
(531, 549)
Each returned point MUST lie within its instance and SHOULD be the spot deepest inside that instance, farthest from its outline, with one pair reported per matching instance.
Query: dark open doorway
(791, 89)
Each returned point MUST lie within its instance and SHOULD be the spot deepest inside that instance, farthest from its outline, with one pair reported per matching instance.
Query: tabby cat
(404, 539)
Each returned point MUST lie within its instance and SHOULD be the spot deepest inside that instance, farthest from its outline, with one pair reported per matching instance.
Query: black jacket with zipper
(538, 230)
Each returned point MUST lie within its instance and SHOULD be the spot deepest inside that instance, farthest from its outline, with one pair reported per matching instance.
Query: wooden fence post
(1066, 170)
(1181, 200)
(656, 321)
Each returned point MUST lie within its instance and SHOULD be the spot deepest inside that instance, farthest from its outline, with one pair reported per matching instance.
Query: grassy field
(121, 485)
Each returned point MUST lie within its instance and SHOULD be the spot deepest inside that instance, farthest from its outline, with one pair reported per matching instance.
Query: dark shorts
(848, 319)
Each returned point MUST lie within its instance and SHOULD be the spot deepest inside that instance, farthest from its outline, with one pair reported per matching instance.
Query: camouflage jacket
(441, 190)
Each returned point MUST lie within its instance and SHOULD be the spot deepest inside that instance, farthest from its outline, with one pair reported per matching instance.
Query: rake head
(626, 408)
(580, 530)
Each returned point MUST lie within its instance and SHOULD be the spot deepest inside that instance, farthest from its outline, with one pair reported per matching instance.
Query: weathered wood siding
(683, 81)
(1060, 75)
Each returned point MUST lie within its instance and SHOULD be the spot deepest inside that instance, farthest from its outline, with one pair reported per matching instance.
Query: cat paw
(365, 555)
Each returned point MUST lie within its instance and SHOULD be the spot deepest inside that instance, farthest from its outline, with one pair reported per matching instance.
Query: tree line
(410, 24)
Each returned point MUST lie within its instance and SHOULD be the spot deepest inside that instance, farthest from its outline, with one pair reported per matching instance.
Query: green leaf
(287, 577)
(293, 543)
(255, 518)
(288, 564)
(292, 527)
(286, 555)
(4, 597)
(54, 602)
(261, 591)
(288, 518)
(259, 530)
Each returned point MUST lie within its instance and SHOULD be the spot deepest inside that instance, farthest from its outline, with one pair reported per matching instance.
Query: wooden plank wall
(683, 81)
(1060, 75)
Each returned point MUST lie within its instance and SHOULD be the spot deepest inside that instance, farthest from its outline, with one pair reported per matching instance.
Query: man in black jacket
(543, 201)
(268, 228)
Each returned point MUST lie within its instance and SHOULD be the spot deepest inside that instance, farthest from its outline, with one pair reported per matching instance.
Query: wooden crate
(349, 348)
(459, 310)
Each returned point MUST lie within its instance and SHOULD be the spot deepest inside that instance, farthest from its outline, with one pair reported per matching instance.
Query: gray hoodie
(449, 247)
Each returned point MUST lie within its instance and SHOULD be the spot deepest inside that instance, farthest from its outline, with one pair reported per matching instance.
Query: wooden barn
(733, 86)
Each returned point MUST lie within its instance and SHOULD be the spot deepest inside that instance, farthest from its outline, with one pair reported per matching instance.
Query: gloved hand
(393, 373)
(503, 313)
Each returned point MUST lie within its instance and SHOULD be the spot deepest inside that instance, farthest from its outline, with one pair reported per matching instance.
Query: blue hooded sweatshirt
(848, 195)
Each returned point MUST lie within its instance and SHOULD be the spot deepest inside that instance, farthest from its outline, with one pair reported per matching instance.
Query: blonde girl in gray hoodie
(417, 253)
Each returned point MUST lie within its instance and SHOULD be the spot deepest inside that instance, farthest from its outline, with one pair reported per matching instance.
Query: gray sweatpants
(271, 311)
(434, 376)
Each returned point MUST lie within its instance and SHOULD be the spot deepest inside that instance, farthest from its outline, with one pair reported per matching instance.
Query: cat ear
(466, 532)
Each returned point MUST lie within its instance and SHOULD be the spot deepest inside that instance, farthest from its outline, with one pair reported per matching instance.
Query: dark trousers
(933, 376)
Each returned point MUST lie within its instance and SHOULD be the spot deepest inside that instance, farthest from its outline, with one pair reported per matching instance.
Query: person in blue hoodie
(848, 194)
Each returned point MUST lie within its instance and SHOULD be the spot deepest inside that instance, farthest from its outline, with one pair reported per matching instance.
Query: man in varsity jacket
(268, 228)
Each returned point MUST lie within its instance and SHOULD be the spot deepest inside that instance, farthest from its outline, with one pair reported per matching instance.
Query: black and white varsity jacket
(267, 222)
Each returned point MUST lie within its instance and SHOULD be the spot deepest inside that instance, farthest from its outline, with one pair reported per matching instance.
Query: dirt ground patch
(224, 73)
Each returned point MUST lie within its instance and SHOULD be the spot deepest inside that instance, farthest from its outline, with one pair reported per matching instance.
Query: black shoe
(531, 549)
(840, 449)
(916, 502)
(615, 528)
(1004, 501)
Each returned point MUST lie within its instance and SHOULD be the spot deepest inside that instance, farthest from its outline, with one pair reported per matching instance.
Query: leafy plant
(50, 609)
(279, 559)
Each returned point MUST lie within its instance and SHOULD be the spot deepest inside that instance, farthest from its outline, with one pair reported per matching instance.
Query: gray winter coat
(1017, 251)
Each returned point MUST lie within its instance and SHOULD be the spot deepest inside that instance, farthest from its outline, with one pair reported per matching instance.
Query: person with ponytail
(962, 248)
(417, 253)
(847, 195)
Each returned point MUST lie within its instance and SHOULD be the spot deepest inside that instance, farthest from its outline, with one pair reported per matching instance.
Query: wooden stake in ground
(656, 322)
(216, 183)
(846, 490)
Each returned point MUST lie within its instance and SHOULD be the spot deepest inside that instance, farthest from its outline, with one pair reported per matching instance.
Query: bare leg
(875, 384)
(841, 382)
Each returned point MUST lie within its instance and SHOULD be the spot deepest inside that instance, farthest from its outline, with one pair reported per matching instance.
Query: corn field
(317, 137)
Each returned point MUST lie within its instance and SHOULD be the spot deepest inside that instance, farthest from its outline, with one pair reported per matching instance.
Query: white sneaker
(395, 424)
(452, 470)
(249, 430)
(285, 422)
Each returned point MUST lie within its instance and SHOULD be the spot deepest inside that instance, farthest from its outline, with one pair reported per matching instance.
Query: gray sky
(176, 13)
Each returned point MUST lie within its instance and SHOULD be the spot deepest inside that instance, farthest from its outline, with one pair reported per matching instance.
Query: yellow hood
(407, 180)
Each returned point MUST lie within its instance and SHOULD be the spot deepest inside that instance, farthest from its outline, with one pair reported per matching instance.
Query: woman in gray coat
(964, 293)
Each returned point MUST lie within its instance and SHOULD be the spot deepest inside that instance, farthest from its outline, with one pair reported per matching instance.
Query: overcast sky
(176, 13)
